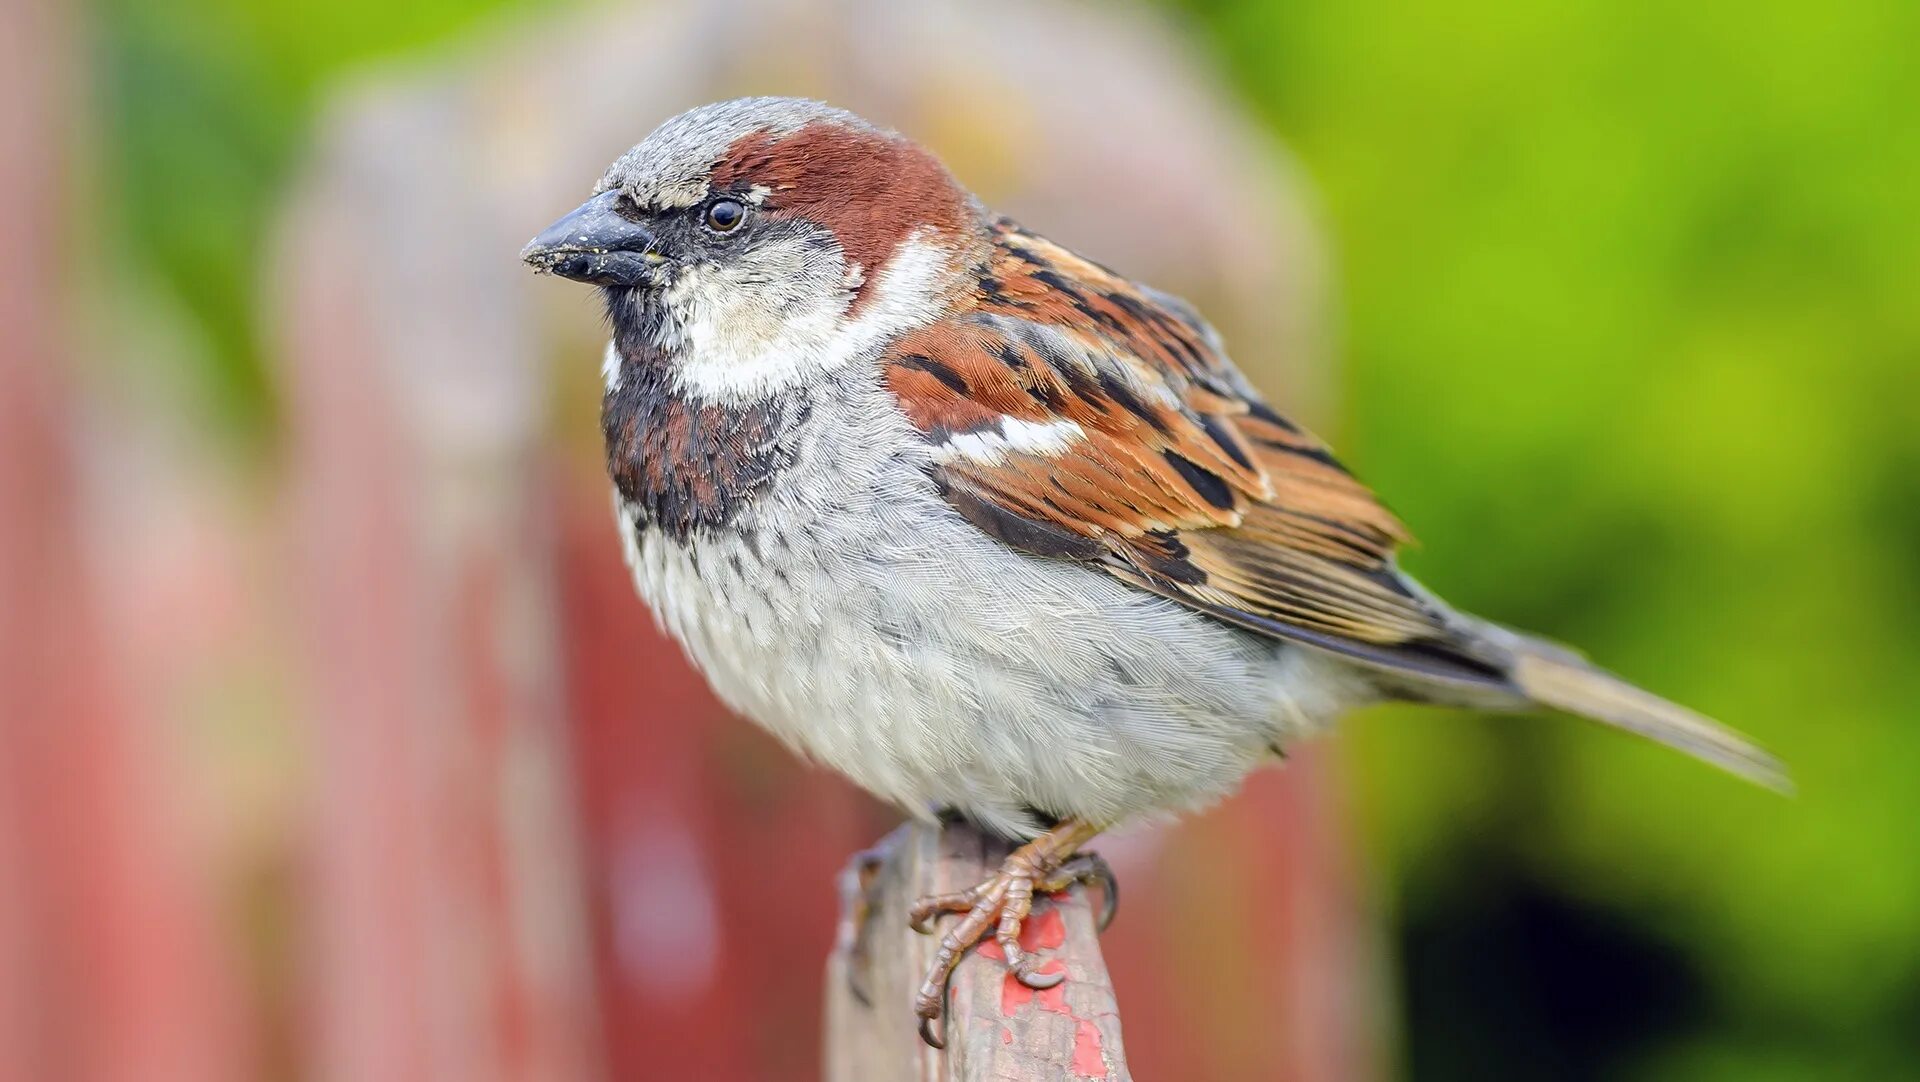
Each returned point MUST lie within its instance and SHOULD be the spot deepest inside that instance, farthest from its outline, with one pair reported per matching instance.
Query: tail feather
(1564, 681)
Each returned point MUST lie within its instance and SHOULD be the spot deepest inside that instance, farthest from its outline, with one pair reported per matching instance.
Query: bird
(983, 525)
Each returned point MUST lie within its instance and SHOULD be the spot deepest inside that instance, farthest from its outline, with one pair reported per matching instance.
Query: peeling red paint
(1087, 1060)
(1044, 931)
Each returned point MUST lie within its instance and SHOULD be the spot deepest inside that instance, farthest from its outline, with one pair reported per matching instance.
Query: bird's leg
(1000, 904)
(858, 886)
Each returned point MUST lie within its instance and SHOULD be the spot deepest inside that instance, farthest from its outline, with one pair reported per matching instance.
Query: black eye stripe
(724, 215)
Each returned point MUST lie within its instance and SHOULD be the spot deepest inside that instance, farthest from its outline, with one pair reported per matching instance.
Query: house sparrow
(980, 523)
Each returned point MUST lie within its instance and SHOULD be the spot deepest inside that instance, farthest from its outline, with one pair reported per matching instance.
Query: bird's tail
(1553, 676)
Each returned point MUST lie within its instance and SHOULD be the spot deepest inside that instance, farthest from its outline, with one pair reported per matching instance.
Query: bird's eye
(725, 215)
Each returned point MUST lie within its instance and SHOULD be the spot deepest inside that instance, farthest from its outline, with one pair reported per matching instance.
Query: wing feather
(1073, 413)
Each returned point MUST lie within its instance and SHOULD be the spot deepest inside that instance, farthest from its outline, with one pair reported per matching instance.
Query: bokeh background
(336, 748)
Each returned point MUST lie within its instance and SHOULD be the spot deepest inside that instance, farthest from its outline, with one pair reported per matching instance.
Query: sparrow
(980, 523)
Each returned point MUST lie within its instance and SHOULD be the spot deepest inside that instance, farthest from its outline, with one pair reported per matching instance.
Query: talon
(1039, 982)
(930, 1005)
(1109, 900)
(928, 1035)
(1100, 874)
(1093, 870)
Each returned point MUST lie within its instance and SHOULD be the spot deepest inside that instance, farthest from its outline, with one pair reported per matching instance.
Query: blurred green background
(1629, 332)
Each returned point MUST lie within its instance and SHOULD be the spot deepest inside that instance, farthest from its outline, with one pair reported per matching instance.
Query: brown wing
(1075, 414)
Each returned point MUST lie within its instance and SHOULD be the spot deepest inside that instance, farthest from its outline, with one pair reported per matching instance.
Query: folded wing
(1076, 414)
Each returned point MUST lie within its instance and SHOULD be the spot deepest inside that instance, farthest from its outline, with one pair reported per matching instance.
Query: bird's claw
(1093, 870)
(1028, 974)
(1000, 906)
(928, 1034)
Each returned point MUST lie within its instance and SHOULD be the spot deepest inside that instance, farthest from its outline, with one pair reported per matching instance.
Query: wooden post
(996, 1028)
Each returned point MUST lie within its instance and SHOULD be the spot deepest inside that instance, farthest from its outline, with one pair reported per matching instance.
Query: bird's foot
(1049, 864)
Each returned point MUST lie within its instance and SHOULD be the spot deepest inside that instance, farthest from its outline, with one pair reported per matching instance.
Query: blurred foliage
(1633, 339)
(206, 105)
(1631, 335)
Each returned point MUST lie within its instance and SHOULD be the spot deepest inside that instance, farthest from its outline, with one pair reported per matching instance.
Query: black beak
(595, 244)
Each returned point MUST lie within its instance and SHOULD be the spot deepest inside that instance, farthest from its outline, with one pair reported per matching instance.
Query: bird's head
(753, 242)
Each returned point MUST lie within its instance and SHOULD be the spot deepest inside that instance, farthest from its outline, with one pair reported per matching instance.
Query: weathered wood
(996, 1028)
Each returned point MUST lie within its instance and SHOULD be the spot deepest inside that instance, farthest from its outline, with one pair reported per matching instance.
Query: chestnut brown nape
(871, 188)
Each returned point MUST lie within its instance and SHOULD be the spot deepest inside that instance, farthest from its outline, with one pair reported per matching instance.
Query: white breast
(859, 618)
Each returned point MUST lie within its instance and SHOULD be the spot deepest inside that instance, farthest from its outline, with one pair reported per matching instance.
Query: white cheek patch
(746, 333)
(1011, 436)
